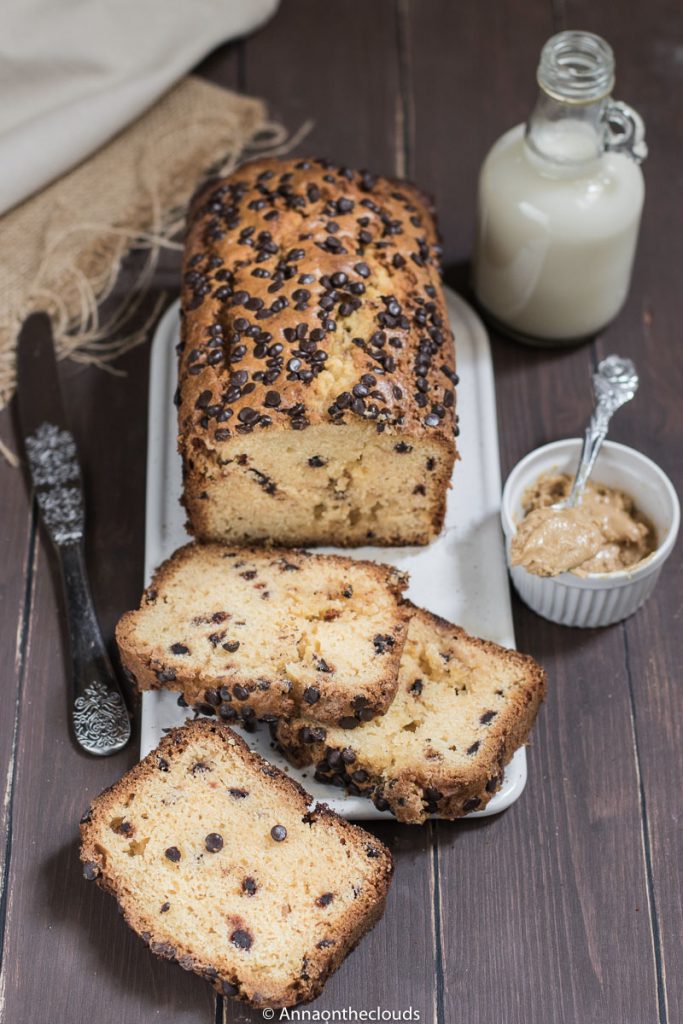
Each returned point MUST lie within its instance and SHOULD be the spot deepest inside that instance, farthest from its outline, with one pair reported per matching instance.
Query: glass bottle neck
(575, 120)
(567, 135)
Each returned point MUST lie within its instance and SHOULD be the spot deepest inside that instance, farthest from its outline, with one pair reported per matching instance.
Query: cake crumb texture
(462, 708)
(266, 632)
(219, 864)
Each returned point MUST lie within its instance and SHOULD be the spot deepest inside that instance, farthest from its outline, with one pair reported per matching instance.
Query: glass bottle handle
(625, 131)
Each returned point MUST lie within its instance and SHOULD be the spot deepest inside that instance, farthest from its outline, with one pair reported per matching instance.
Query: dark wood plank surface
(567, 907)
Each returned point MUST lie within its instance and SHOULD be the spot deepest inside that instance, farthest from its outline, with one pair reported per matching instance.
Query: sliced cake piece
(219, 863)
(462, 708)
(265, 632)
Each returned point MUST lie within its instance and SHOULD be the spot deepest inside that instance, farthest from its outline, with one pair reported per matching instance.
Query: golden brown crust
(238, 694)
(284, 261)
(428, 787)
(320, 962)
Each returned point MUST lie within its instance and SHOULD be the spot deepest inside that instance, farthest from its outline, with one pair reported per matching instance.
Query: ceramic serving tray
(462, 576)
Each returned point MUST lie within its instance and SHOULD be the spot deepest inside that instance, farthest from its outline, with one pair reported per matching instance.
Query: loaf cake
(257, 633)
(462, 708)
(218, 862)
(317, 367)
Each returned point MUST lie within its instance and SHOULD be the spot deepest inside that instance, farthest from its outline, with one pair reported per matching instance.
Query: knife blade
(99, 718)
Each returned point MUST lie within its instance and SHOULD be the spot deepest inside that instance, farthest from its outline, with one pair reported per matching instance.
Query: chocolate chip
(165, 675)
(360, 776)
(249, 886)
(348, 722)
(238, 794)
(325, 899)
(471, 804)
(231, 646)
(487, 717)
(164, 907)
(179, 649)
(247, 415)
(383, 642)
(272, 399)
(278, 833)
(203, 400)
(214, 842)
(348, 756)
(240, 692)
(417, 687)
(202, 708)
(316, 462)
(172, 854)
(311, 694)
(242, 939)
(473, 748)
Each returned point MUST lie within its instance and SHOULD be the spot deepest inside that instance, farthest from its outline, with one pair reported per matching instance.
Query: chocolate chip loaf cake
(316, 397)
(218, 862)
(258, 633)
(462, 708)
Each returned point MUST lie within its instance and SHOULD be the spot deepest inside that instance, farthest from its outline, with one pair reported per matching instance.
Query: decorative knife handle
(99, 716)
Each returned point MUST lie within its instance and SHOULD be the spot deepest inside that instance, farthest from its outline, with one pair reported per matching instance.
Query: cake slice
(269, 633)
(462, 708)
(218, 862)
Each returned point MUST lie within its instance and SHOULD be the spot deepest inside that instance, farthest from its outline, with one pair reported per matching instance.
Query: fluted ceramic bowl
(596, 599)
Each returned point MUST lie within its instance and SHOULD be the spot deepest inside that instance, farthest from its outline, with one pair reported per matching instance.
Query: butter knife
(99, 718)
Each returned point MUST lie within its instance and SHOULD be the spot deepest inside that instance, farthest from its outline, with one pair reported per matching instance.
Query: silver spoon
(614, 383)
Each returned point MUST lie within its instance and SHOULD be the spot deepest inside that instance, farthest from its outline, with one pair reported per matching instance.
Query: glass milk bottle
(560, 201)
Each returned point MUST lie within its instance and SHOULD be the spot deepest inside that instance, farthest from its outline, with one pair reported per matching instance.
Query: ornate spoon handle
(614, 384)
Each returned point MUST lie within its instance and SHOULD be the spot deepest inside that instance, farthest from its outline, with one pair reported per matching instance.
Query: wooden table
(567, 908)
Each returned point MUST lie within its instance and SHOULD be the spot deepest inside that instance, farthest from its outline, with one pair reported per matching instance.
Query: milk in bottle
(560, 201)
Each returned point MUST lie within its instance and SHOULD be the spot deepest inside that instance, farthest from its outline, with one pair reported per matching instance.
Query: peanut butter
(605, 533)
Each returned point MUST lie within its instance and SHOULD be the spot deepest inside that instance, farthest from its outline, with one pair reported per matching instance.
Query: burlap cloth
(61, 249)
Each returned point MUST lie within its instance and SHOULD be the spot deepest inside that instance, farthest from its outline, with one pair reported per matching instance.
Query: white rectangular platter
(462, 576)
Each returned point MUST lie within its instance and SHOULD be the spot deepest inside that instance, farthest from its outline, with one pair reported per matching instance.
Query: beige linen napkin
(74, 73)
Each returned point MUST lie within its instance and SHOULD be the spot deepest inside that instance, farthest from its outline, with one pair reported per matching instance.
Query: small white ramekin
(597, 599)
